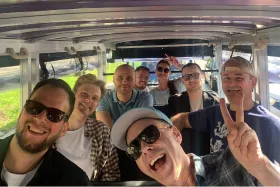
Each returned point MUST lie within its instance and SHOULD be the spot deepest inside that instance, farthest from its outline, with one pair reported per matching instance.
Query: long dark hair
(172, 89)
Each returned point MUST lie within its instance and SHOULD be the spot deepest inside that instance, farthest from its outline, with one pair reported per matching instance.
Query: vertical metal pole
(25, 80)
(218, 58)
(263, 77)
(35, 70)
(256, 95)
(101, 65)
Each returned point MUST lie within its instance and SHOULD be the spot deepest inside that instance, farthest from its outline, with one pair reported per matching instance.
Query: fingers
(227, 118)
(248, 137)
(167, 55)
(240, 110)
(242, 128)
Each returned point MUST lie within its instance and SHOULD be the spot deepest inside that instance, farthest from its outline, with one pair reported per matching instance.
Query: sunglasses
(54, 115)
(165, 70)
(188, 77)
(148, 135)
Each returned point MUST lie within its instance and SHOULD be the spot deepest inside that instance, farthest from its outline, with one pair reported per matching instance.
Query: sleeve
(274, 137)
(104, 104)
(198, 120)
(110, 161)
(147, 100)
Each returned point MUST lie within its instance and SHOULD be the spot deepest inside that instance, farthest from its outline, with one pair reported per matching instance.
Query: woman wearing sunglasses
(87, 142)
(165, 87)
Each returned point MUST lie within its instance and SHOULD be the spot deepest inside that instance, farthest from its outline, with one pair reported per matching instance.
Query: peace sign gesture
(242, 140)
(173, 60)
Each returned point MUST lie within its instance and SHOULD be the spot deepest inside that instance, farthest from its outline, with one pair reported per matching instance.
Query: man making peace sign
(237, 75)
(150, 138)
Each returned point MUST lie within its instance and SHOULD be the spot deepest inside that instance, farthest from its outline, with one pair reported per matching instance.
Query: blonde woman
(87, 142)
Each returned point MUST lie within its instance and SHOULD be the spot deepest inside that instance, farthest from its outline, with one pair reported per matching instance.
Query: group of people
(57, 142)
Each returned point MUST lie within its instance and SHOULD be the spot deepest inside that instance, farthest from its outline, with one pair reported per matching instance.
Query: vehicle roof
(112, 22)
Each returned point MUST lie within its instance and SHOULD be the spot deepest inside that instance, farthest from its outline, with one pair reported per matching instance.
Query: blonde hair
(90, 79)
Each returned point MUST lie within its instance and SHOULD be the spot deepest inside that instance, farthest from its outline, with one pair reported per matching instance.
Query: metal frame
(262, 60)
(219, 63)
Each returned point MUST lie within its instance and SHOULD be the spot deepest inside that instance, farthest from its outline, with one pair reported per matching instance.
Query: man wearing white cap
(237, 77)
(150, 139)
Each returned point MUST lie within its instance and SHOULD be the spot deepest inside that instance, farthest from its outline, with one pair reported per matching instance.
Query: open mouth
(85, 106)
(158, 162)
(234, 90)
(36, 131)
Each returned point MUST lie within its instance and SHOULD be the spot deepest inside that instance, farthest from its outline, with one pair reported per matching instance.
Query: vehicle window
(9, 94)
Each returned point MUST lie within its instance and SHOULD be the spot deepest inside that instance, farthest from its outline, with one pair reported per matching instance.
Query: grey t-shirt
(160, 97)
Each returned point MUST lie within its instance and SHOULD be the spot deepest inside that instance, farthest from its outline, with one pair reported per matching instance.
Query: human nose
(146, 148)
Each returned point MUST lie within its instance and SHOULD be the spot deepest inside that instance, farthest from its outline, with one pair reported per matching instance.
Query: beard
(33, 148)
(194, 89)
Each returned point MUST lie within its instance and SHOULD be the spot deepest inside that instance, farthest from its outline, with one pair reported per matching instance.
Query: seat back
(195, 142)
(164, 109)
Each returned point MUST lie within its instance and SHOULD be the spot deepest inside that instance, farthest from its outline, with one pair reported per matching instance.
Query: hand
(173, 61)
(242, 140)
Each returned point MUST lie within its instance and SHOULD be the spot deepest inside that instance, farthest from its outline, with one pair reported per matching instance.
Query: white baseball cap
(120, 127)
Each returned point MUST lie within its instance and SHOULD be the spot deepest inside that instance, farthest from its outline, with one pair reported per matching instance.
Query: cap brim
(120, 127)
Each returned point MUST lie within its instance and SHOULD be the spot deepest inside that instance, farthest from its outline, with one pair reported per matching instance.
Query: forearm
(105, 118)
(181, 121)
(268, 174)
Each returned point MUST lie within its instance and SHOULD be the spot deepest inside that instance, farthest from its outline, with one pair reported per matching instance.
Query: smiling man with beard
(142, 74)
(194, 98)
(238, 76)
(150, 138)
(123, 98)
(27, 158)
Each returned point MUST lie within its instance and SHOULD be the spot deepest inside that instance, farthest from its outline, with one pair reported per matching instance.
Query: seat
(195, 142)
(164, 109)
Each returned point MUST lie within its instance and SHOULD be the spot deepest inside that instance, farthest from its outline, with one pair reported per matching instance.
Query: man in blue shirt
(237, 76)
(122, 98)
(150, 138)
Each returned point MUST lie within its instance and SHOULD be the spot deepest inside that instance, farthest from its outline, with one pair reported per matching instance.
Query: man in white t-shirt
(27, 157)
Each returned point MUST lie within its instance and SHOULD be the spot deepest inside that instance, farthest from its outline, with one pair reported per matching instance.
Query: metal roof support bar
(70, 51)
(218, 58)
(159, 46)
(22, 55)
(261, 61)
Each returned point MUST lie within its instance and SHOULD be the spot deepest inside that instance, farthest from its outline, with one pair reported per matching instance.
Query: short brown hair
(90, 79)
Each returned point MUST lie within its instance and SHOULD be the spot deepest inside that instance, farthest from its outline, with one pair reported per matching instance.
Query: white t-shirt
(17, 179)
(77, 148)
(160, 97)
(196, 104)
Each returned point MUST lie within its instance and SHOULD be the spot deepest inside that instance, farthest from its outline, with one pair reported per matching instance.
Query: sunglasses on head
(149, 135)
(188, 77)
(54, 115)
(165, 70)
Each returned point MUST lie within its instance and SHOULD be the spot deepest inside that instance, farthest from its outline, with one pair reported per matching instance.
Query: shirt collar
(134, 94)
(199, 166)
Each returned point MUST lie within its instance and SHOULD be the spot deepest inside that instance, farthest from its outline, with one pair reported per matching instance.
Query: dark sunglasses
(188, 77)
(53, 114)
(165, 70)
(148, 135)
